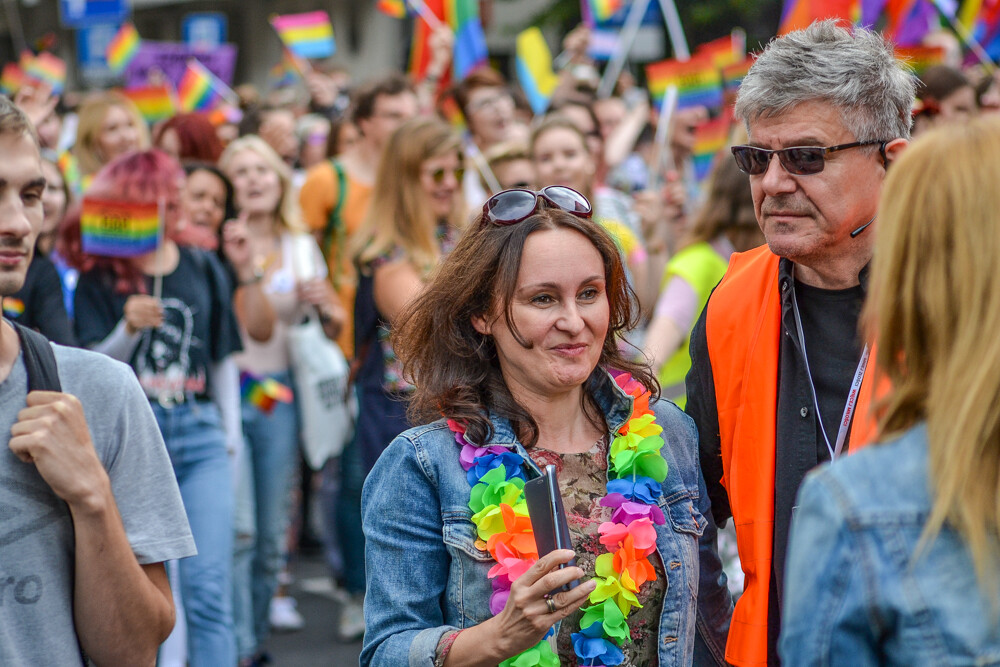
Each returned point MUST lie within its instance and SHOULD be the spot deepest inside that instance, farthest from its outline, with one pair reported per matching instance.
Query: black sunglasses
(513, 206)
(799, 160)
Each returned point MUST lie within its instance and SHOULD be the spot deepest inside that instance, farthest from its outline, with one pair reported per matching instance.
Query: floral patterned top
(583, 480)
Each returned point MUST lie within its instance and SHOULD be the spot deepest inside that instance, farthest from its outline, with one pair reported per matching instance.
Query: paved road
(317, 644)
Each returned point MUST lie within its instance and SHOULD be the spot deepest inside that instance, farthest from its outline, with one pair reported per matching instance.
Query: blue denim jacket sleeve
(403, 616)
(828, 617)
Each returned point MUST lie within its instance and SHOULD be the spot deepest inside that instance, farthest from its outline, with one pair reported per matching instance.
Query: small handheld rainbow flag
(123, 48)
(200, 90)
(919, 58)
(13, 308)
(698, 82)
(263, 393)
(710, 138)
(723, 52)
(733, 75)
(397, 9)
(117, 228)
(155, 103)
(49, 69)
(470, 50)
(534, 69)
(12, 78)
(602, 10)
(308, 35)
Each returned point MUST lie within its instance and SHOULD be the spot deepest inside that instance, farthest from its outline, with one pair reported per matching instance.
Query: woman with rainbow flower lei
(515, 343)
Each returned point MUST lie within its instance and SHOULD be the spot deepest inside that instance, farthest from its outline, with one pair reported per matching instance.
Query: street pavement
(317, 644)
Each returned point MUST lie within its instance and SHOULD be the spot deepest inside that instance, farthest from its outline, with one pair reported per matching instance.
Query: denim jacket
(426, 577)
(854, 595)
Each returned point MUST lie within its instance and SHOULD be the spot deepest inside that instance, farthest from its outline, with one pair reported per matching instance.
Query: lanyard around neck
(852, 396)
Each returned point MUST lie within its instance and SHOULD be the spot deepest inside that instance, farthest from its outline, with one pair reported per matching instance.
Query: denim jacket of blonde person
(426, 577)
(855, 596)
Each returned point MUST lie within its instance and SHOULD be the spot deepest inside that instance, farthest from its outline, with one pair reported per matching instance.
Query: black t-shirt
(198, 325)
(39, 303)
(833, 347)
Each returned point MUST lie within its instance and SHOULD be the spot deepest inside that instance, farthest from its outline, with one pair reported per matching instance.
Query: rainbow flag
(13, 308)
(798, 14)
(732, 75)
(602, 10)
(534, 69)
(698, 82)
(70, 169)
(117, 228)
(155, 103)
(448, 108)
(263, 393)
(470, 49)
(710, 138)
(308, 35)
(919, 58)
(12, 78)
(420, 54)
(724, 51)
(200, 90)
(397, 9)
(123, 48)
(49, 69)
(602, 43)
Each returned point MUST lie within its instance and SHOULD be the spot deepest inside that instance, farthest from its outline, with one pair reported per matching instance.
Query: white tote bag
(320, 373)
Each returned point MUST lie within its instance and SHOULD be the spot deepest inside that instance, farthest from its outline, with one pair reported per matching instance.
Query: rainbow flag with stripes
(448, 108)
(798, 14)
(13, 308)
(70, 169)
(698, 82)
(308, 35)
(733, 75)
(123, 48)
(119, 229)
(723, 52)
(710, 138)
(155, 103)
(12, 78)
(200, 90)
(49, 69)
(919, 58)
(397, 9)
(470, 49)
(534, 69)
(263, 393)
(602, 10)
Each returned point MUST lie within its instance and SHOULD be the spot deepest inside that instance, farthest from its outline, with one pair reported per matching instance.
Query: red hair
(138, 177)
(197, 136)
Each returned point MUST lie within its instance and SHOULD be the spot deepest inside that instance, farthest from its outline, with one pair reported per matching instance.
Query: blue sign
(204, 31)
(91, 45)
(83, 13)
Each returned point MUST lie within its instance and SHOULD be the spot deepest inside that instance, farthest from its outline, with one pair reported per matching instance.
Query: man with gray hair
(89, 508)
(780, 379)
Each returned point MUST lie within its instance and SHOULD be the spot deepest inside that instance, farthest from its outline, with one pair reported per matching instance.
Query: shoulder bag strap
(335, 224)
(40, 361)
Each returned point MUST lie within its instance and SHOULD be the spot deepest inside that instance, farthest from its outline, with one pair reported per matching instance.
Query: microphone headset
(862, 228)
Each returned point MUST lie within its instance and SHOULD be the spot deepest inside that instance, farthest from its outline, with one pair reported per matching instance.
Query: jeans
(268, 466)
(196, 444)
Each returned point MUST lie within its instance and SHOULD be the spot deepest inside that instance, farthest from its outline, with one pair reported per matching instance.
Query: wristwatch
(258, 275)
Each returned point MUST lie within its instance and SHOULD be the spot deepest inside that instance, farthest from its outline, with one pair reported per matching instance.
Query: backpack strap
(334, 229)
(39, 360)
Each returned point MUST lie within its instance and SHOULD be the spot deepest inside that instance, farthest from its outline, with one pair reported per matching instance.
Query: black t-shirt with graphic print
(199, 327)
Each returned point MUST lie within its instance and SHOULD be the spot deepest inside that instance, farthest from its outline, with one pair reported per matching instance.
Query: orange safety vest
(743, 327)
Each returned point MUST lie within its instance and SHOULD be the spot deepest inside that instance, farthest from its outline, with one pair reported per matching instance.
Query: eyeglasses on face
(799, 160)
(512, 206)
(438, 175)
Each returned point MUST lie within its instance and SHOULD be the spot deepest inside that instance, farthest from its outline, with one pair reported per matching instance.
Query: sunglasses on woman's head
(512, 206)
(798, 160)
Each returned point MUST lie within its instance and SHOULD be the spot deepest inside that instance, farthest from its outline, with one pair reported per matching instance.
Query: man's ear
(480, 324)
(894, 149)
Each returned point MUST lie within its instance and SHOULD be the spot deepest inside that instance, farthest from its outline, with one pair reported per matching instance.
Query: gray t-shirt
(36, 531)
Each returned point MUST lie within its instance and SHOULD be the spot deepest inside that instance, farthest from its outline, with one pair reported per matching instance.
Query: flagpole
(625, 39)
(482, 165)
(663, 153)
(218, 86)
(161, 209)
(966, 37)
(681, 50)
(426, 14)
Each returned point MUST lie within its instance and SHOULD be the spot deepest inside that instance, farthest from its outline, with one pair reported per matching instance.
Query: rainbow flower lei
(500, 514)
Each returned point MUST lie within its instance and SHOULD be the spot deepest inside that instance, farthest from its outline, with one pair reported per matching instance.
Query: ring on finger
(551, 604)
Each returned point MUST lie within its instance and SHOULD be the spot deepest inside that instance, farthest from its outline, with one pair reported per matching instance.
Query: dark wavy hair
(455, 368)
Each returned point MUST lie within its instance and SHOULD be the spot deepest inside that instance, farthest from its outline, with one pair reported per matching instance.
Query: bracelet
(444, 647)
(258, 275)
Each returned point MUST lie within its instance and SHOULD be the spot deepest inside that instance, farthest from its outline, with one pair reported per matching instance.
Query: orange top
(318, 198)
(743, 328)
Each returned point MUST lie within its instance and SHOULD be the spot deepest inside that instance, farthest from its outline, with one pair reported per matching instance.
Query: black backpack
(39, 360)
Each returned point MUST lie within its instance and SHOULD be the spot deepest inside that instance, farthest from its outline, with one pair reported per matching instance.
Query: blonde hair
(932, 305)
(400, 215)
(289, 215)
(91, 117)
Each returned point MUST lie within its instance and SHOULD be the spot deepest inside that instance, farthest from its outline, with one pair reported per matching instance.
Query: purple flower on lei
(470, 452)
(627, 511)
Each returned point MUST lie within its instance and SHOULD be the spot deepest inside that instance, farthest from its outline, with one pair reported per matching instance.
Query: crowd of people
(514, 292)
